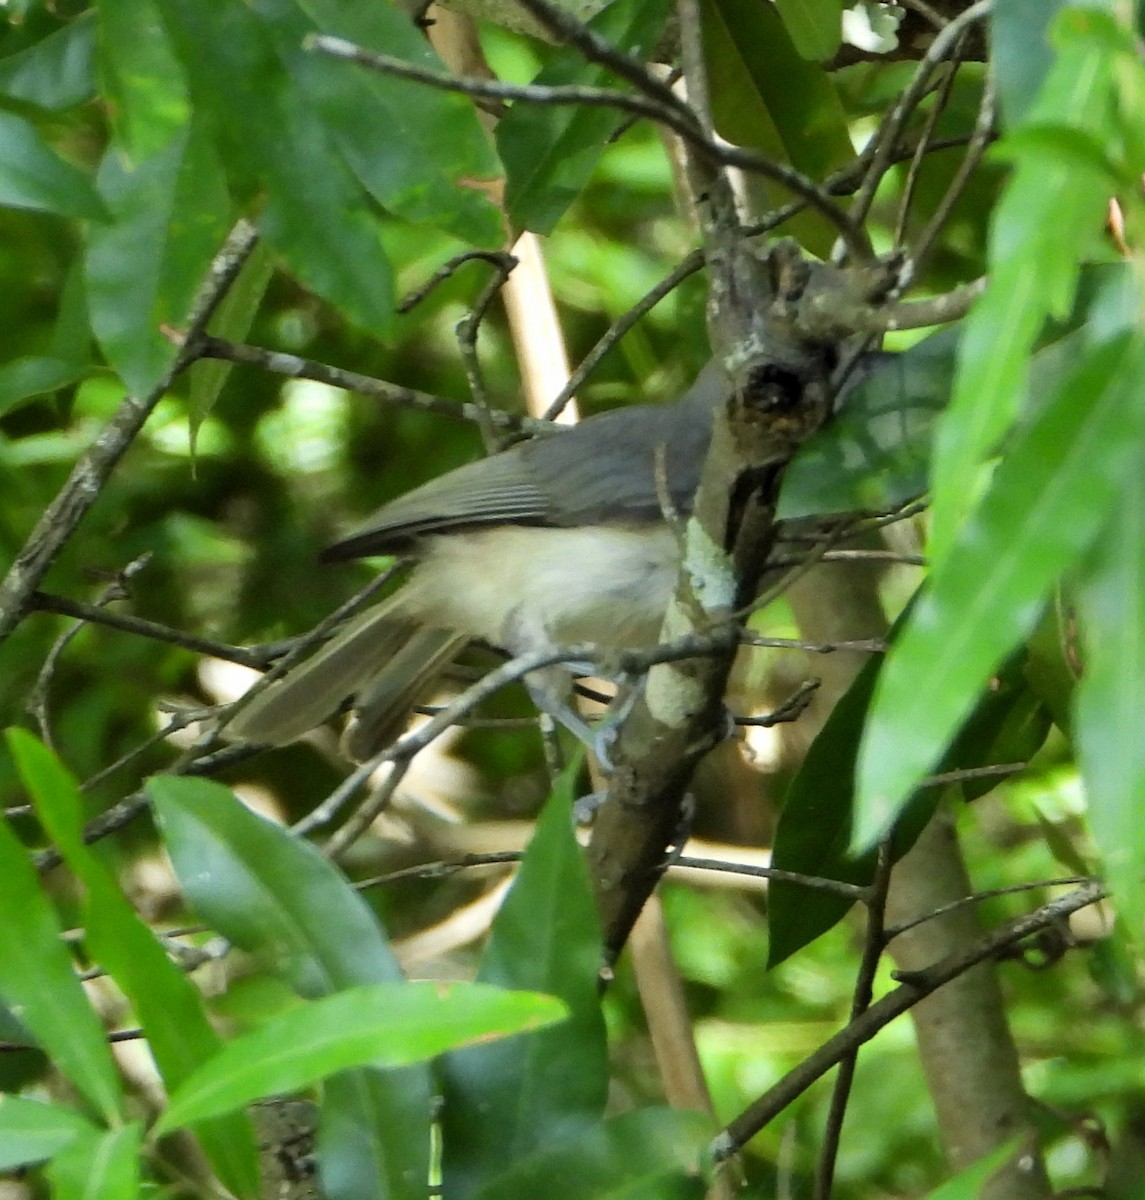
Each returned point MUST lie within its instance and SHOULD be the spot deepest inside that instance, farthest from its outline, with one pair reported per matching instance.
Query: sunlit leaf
(967, 1184)
(99, 1165)
(278, 898)
(1045, 504)
(166, 1002)
(32, 1131)
(386, 1025)
(1111, 698)
(38, 979)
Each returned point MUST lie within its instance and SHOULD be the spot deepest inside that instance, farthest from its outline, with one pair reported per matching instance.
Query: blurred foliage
(131, 137)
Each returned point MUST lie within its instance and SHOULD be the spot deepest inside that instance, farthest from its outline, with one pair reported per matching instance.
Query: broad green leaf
(648, 1153)
(1021, 53)
(141, 76)
(767, 96)
(815, 26)
(33, 176)
(505, 1100)
(232, 321)
(1051, 493)
(270, 139)
(99, 1166)
(166, 1002)
(38, 979)
(279, 898)
(1110, 697)
(967, 1184)
(56, 72)
(31, 1131)
(384, 1024)
(170, 214)
(1048, 221)
(550, 150)
(26, 378)
(435, 165)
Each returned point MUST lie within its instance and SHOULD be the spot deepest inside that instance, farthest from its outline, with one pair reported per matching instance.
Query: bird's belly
(608, 585)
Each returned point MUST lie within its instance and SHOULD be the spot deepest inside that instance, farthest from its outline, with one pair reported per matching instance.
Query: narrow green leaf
(650, 1152)
(767, 96)
(815, 26)
(101, 1166)
(280, 899)
(147, 93)
(56, 72)
(967, 1184)
(505, 1100)
(33, 176)
(550, 150)
(1050, 495)
(232, 321)
(269, 138)
(1110, 698)
(385, 1024)
(31, 1131)
(39, 981)
(170, 214)
(1048, 221)
(166, 1002)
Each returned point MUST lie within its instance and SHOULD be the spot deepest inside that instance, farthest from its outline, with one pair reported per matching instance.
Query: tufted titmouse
(557, 540)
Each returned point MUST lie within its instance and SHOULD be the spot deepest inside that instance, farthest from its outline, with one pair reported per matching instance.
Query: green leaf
(767, 96)
(815, 26)
(278, 898)
(269, 138)
(384, 1024)
(56, 72)
(550, 150)
(39, 980)
(1049, 497)
(31, 1131)
(100, 1166)
(33, 176)
(144, 82)
(170, 215)
(650, 1152)
(505, 1100)
(435, 165)
(1021, 53)
(26, 378)
(1110, 697)
(166, 1002)
(967, 1184)
(231, 321)
(1048, 221)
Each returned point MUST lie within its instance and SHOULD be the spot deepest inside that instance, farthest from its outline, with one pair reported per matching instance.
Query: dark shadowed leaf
(549, 150)
(32, 175)
(505, 1100)
(26, 378)
(815, 26)
(652, 1152)
(56, 72)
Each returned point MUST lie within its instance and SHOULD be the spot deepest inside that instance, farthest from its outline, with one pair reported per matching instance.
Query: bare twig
(500, 259)
(81, 490)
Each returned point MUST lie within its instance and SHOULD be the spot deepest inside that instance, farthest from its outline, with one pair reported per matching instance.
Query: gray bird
(557, 540)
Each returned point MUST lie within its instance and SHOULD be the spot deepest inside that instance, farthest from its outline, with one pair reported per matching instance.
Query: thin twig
(503, 261)
(916, 987)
